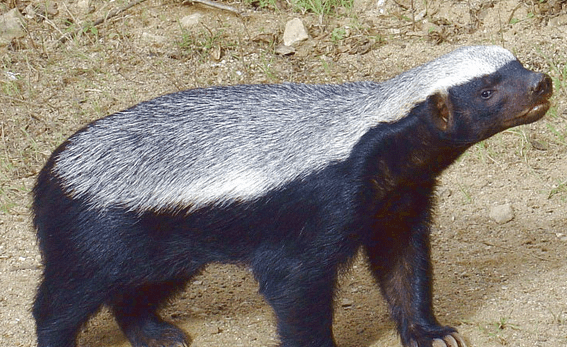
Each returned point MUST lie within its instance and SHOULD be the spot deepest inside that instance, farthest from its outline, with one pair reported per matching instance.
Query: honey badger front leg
(399, 255)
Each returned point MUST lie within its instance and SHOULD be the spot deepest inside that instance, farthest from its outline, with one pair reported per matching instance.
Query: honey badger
(290, 180)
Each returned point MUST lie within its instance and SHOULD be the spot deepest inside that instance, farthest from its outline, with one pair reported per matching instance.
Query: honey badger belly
(289, 179)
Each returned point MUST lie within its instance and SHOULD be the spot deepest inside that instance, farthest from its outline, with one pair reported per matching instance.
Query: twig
(512, 14)
(509, 249)
(99, 21)
(117, 12)
(405, 7)
(215, 5)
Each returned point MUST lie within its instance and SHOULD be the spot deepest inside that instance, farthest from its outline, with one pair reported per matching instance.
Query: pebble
(284, 50)
(558, 21)
(346, 302)
(294, 32)
(501, 214)
(191, 20)
(49, 9)
(83, 7)
(213, 330)
(151, 38)
(11, 26)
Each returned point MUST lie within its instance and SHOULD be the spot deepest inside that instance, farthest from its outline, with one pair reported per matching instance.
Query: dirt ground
(500, 284)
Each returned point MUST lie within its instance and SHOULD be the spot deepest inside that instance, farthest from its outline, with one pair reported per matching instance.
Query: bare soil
(499, 284)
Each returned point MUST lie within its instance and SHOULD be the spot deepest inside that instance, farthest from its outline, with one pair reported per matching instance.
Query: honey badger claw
(453, 340)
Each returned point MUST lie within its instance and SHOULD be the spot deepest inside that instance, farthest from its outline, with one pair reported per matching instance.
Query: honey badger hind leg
(62, 307)
(135, 311)
(301, 295)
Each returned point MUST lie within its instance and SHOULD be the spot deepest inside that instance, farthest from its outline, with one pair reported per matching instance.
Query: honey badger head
(438, 76)
(489, 103)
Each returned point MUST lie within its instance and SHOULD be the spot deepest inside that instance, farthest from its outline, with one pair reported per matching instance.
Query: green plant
(90, 29)
(560, 187)
(10, 88)
(321, 7)
(516, 20)
(326, 66)
(560, 317)
(503, 323)
(485, 151)
(266, 66)
(338, 34)
(495, 329)
(557, 72)
(267, 4)
(561, 138)
(202, 42)
(524, 143)
(466, 193)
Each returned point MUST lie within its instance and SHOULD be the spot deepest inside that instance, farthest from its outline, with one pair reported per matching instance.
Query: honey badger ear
(441, 110)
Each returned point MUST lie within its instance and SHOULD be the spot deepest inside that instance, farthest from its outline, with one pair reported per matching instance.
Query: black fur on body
(118, 250)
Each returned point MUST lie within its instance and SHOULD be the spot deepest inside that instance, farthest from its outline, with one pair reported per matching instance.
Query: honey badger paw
(451, 340)
(446, 337)
(155, 333)
(166, 338)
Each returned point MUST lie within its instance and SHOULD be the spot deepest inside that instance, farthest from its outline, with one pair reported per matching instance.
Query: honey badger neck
(407, 153)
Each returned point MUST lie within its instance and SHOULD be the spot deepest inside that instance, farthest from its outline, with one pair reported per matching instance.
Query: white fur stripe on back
(212, 146)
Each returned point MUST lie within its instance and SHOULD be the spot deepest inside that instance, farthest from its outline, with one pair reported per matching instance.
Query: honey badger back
(289, 179)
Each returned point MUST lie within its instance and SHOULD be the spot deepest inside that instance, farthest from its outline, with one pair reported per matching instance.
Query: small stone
(11, 25)
(420, 15)
(285, 50)
(267, 38)
(191, 20)
(294, 32)
(502, 213)
(84, 6)
(213, 330)
(540, 146)
(346, 302)
(558, 21)
(216, 53)
(445, 193)
(48, 9)
(151, 38)
(29, 11)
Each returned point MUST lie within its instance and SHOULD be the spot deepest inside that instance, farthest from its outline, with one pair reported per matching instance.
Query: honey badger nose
(541, 85)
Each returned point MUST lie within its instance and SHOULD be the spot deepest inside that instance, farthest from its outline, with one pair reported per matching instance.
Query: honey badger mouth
(531, 115)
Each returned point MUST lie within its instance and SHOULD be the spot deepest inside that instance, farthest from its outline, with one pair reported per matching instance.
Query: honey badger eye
(486, 94)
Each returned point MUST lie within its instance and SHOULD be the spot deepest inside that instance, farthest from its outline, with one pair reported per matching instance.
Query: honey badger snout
(541, 85)
(531, 104)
